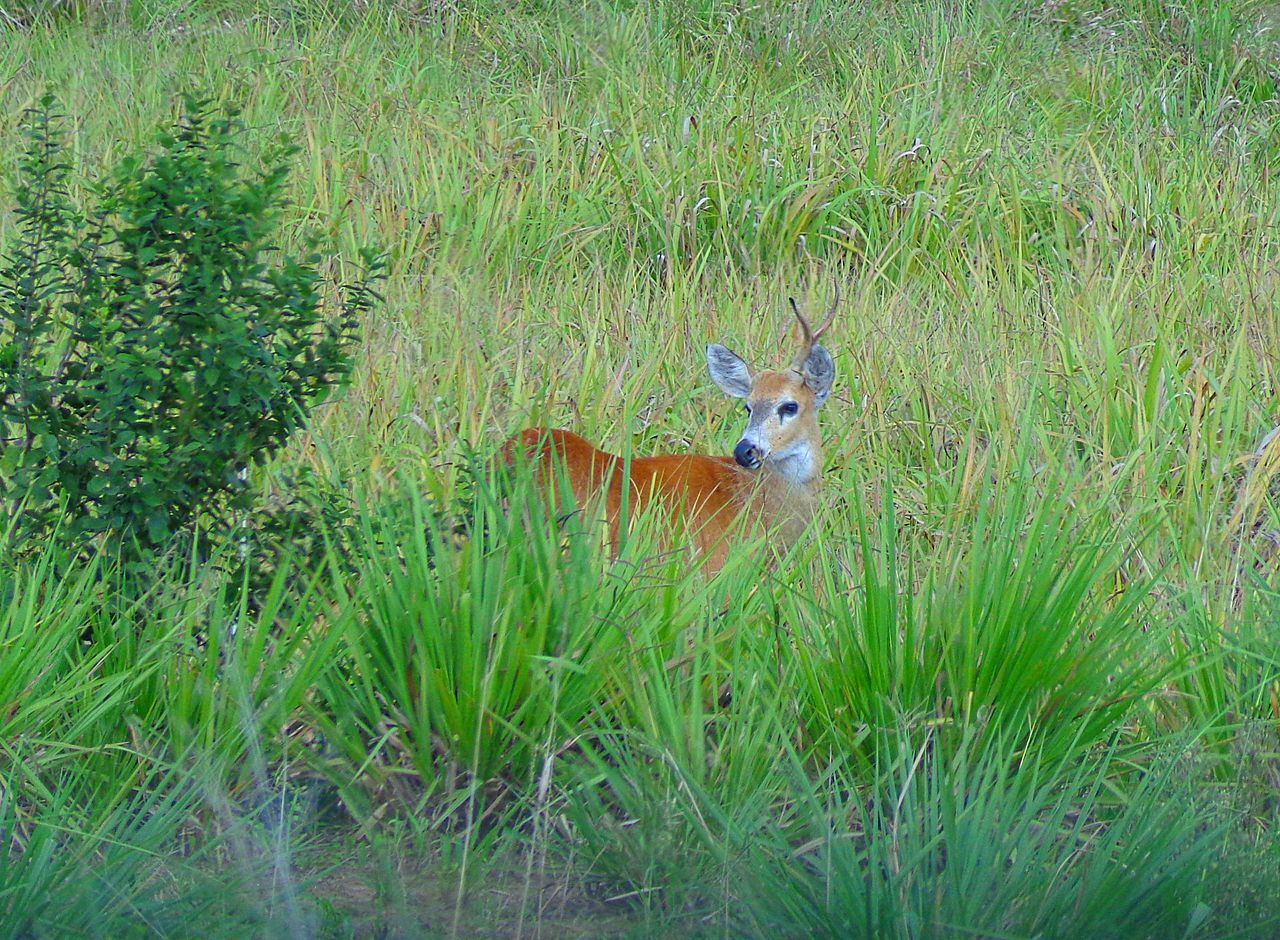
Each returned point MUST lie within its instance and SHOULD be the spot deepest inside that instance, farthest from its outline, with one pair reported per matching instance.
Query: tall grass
(1019, 681)
(962, 847)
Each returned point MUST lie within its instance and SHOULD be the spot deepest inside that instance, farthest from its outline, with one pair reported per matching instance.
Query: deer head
(782, 407)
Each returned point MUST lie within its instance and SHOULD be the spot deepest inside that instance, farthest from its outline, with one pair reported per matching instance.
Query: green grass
(1022, 680)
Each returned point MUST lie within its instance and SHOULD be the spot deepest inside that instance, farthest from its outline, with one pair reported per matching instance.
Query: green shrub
(156, 345)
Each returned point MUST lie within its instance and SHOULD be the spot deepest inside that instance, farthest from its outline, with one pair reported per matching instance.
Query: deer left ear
(819, 373)
(728, 371)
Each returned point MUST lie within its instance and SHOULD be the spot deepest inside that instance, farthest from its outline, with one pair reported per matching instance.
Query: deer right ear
(819, 372)
(728, 371)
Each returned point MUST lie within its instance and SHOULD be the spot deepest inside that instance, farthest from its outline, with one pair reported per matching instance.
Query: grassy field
(1021, 681)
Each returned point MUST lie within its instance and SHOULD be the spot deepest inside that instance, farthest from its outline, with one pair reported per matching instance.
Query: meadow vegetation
(1022, 679)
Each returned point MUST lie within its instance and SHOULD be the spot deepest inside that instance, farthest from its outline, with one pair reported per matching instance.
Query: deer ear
(728, 371)
(819, 373)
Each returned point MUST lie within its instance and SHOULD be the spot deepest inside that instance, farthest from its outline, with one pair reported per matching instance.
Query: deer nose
(747, 455)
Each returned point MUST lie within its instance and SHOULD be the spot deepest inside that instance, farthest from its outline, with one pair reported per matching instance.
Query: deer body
(771, 482)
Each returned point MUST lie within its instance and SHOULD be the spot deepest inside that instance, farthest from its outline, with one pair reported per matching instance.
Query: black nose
(747, 455)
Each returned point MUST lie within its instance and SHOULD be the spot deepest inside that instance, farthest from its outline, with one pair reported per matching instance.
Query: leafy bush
(153, 347)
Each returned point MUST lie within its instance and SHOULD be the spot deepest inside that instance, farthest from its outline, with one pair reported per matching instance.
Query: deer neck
(799, 467)
(786, 489)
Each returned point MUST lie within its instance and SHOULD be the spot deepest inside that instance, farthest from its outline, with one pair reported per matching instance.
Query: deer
(772, 482)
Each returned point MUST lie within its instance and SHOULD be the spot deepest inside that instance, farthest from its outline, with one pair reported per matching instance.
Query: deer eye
(788, 409)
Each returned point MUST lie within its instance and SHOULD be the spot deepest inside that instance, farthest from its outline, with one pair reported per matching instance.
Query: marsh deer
(771, 481)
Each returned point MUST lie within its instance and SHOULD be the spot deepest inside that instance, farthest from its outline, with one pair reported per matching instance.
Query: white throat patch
(795, 466)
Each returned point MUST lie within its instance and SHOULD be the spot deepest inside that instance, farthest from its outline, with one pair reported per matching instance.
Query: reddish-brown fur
(770, 485)
(707, 493)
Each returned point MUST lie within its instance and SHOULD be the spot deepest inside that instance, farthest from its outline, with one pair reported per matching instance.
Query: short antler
(808, 335)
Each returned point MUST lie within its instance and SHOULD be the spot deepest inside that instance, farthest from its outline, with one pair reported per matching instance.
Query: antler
(808, 335)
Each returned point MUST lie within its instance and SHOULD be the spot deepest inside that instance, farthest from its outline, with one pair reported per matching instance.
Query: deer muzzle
(747, 454)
